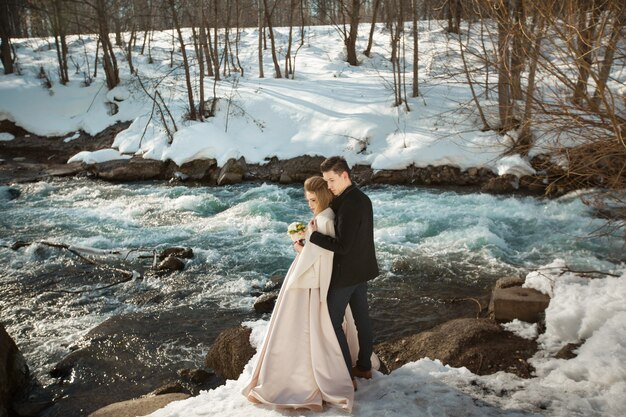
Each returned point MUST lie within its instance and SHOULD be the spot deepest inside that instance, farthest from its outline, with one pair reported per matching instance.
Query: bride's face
(311, 198)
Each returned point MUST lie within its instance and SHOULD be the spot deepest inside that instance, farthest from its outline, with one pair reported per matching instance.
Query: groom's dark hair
(337, 164)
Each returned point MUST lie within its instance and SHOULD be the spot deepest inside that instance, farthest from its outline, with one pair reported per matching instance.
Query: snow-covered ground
(582, 310)
(328, 108)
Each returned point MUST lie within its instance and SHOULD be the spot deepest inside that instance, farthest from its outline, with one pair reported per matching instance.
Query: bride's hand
(313, 226)
(297, 246)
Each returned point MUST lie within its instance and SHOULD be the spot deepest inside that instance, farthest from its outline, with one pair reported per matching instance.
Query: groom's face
(337, 183)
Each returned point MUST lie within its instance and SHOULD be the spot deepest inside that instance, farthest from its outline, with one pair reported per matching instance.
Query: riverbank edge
(32, 158)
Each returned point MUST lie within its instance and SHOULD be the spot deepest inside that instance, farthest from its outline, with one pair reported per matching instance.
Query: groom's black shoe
(362, 374)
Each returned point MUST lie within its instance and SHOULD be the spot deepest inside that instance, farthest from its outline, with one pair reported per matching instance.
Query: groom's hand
(313, 226)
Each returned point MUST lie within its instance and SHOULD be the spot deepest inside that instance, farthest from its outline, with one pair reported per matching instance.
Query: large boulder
(14, 373)
(480, 345)
(135, 169)
(230, 352)
(526, 304)
(199, 169)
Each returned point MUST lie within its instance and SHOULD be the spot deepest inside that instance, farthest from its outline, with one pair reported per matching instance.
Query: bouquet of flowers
(297, 231)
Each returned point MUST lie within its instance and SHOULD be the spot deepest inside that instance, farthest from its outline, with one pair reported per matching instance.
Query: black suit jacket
(353, 245)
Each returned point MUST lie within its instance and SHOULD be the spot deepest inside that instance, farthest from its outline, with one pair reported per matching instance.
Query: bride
(300, 364)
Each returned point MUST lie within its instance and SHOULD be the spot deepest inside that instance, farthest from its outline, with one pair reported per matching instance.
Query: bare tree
(57, 15)
(109, 61)
(9, 14)
(370, 39)
(261, 25)
(268, 20)
(192, 107)
(415, 91)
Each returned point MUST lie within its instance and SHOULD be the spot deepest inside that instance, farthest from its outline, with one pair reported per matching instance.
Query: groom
(354, 262)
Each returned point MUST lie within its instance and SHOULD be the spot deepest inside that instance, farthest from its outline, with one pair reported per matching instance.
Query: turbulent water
(433, 246)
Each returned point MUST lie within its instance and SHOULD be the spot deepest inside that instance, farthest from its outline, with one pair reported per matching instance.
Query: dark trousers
(355, 296)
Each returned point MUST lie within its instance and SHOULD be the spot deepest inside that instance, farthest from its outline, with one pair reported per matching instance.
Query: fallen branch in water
(128, 275)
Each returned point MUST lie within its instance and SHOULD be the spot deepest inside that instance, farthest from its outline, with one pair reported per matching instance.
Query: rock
(507, 282)
(171, 263)
(184, 253)
(387, 176)
(501, 185)
(294, 170)
(265, 303)
(567, 351)
(138, 407)
(230, 352)
(480, 345)
(229, 178)
(14, 373)
(504, 282)
(198, 169)
(196, 376)
(11, 193)
(285, 178)
(171, 388)
(135, 169)
(526, 304)
(232, 172)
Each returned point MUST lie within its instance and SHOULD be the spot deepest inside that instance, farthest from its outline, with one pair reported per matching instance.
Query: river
(435, 248)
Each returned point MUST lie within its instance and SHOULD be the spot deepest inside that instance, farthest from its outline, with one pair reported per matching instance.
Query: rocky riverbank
(29, 158)
(478, 343)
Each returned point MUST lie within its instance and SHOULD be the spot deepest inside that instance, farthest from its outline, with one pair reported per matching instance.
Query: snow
(96, 157)
(329, 108)
(4, 136)
(582, 310)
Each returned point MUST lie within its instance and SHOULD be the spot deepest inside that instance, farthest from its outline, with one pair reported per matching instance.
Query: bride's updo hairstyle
(318, 186)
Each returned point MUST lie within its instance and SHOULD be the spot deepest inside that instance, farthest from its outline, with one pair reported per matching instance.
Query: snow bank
(592, 311)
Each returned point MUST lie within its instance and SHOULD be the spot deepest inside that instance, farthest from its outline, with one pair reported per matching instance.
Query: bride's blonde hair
(318, 186)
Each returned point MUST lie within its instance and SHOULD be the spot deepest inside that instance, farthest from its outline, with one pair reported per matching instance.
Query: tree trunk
(355, 11)
(525, 140)
(462, 48)
(415, 91)
(58, 28)
(206, 45)
(216, 54)
(109, 62)
(609, 54)
(288, 66)
(505, 105)
(6, 55)
(197, 44)
(129, 51)
(370, 39)
(261, 73)
(584, 51)
(271, 32)
(517, 55)
(192, 107)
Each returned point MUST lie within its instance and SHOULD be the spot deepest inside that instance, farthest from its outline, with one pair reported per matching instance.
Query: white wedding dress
(300, 364)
